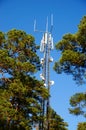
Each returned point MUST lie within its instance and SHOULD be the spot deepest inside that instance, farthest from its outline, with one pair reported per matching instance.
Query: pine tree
(73, 50)
(56, 122)
(73, 61)
(78, 104)
(20, 92)
(82, 126)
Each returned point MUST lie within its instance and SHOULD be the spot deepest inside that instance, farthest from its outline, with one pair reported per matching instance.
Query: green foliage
(73, 50)
(2, 37)
(78, 103)
(81, 126)
(20, 92)
(56, 122)
(73, 61)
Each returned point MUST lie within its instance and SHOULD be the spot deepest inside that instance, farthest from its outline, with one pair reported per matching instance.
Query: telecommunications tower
(46, 46)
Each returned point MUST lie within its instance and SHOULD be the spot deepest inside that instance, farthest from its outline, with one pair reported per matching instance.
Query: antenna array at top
(51, 28)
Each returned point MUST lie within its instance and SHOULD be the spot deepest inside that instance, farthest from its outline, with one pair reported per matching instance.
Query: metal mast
(46, 46)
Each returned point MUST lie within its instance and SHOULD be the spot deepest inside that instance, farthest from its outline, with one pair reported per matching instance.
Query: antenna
(46, 46)
(51, 23)
(51, 19)
(36, 30)
(47, 25)
(51, 28)
(35, 25)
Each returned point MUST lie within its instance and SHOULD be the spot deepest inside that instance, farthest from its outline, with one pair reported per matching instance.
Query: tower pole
(46, 46)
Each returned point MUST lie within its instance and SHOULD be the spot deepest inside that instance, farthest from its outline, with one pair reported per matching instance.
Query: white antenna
(51, 28)
(36, 30)
(47, 25)
(35, 25)
(51, 19)
(51, 23)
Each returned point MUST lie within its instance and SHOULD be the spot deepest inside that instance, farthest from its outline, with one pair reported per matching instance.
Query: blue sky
(20, 14)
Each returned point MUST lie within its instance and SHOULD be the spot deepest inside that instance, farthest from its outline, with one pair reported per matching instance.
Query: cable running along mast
(46, 46)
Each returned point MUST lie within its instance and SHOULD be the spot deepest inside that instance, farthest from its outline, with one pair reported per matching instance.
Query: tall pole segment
(46, 46)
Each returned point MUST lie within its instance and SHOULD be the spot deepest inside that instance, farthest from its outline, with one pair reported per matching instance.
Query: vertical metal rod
(48, 78)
